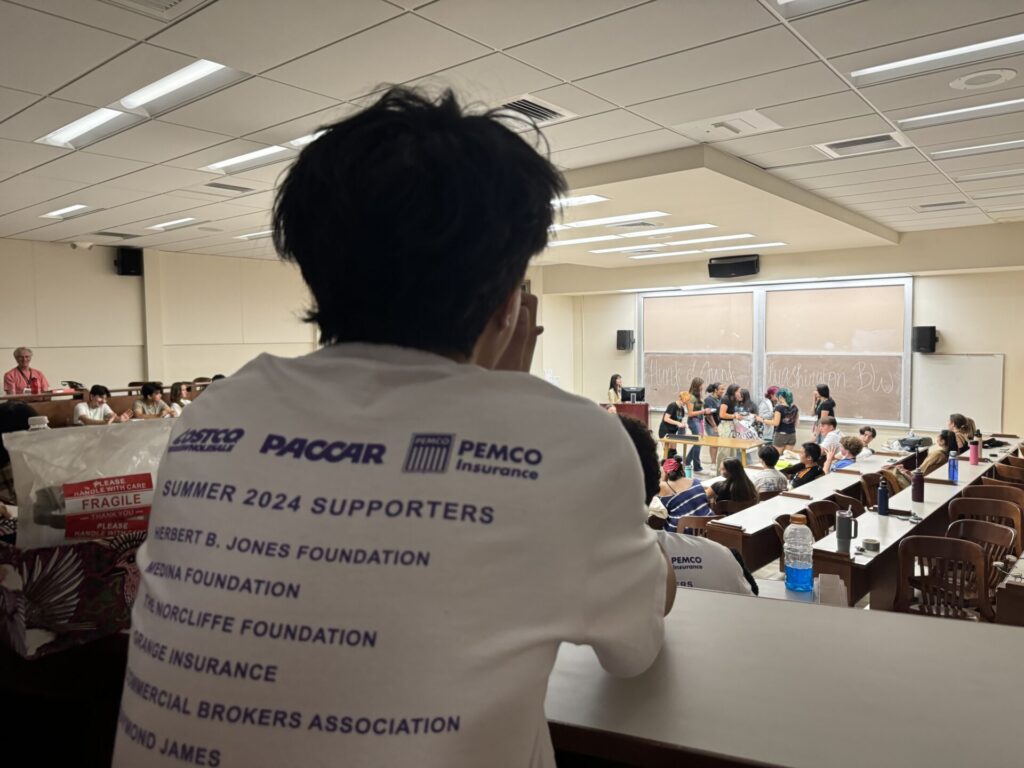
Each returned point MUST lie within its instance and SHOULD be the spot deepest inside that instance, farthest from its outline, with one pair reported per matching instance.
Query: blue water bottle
(954, 467)
(883, 497)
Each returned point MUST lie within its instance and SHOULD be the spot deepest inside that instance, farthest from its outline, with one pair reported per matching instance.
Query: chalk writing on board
(665, 374)
(864, 387)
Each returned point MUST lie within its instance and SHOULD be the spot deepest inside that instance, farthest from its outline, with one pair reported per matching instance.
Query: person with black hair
(809, 467)
(713, 401)
(615, 390)
(867, 434)
(14, 416)
(647, 451)
(94, 410)
(735, 485)
(769, 479)
(680, 495)
(151, 405)
(435, 539)
(824, 406)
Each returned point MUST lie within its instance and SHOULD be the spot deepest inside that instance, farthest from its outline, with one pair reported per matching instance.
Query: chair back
(944, 572)
(1001, 492)
(995, 541)
(730, 507)
(897, 482)
(869, 488)
(821, 517)
(1013, 474)
(990, 510)
(696, 525)
(780, 525)
(997, 481)
(848, 502)
(1015, 461)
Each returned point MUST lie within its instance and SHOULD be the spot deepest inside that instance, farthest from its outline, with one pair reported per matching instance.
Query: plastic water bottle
(798, 551)
(954, 467)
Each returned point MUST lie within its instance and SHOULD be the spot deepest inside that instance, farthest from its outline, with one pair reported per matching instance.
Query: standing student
(727, 418)
(765, 409)
(20, 378)
(674, 420)
(784, 419)
(695, 421)
(824, 406)
(433, 661)
(615, 390)
(712, 401)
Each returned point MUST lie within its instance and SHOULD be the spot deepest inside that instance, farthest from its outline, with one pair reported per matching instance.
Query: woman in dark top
(726, 416)
(784, 419)
(695, 420)
(674, 420)
(824, 406)
(711, 420)
(809, 467)
(736, 486)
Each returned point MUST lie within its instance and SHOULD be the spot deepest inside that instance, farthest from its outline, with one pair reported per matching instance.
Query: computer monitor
(633, 394)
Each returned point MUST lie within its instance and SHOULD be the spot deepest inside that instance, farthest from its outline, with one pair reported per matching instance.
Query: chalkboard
(666, 374)
(968, 384)
(863, 386)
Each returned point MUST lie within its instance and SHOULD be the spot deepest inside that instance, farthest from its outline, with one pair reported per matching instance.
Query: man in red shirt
(18, 380)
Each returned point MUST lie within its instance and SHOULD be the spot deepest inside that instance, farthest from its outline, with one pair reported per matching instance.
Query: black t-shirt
(675, 412)
(789, 415)
(825, 405)
(806, 474)
(712, 402)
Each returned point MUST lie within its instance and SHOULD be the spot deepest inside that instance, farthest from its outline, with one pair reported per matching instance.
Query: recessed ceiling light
(171, 224)
(184, 76)
(668, 230)
(558, 227)
(254, 235)
(628, 248)
(744, 236)
(964, 111)
(748, 247)
(581, 240)
(572, 202)
(986, 78)
(247, 157)
(63, 137)
(663, 255)
(989, 175)
(963, 53)
(62, 213)
(307, 139)
(617, 219)
(980, 149)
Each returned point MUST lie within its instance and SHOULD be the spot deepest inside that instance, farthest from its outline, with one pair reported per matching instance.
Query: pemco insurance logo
(428, 454)
(208, 440)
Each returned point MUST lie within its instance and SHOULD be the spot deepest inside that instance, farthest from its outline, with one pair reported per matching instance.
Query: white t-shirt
(179, 407)
(382, 578)
(701, 563)
(101, 413)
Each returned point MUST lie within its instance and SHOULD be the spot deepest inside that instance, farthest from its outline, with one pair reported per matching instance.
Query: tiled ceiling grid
(632, 71)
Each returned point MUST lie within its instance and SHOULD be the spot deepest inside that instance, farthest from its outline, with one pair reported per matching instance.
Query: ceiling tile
(86, 168)
(156, 142)
(839, 130)
(248, 106)
(254, 35)
(932, 193)
(594, 129)
(205, 157)
(643, 33)
(124, 74)
(888, 185)
(362, 63)
(619, 149)
(18, 156)
(1011, 158)
(41, 118)
(713, 64)
(756, 92)
(40, 52)
(268, 174)
(783, 157)
(500, 24)
(102, 16)
(823, 109)
(575, 100)
(163, 178)
(859, 177)
(993, 185)
(12, 101)
(491, 80)
(826, 167)
(23, 191)
(303, 126)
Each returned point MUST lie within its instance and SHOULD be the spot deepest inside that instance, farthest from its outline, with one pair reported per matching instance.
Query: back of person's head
(740, 487)
(713, 387)
(14, 417)
(813, 452)
(947, 438)
(673, 468)
(685, 396)
(697, 388)
(148, 390)
(959, 421)
(98, 390)
(771, 392)
(822, 390)
(829, 421)
(647, 452)
(866, 430)
(972, 428)
(417, 205)
(217, 377)
(785, 395)
(769, 455)
(852, 444)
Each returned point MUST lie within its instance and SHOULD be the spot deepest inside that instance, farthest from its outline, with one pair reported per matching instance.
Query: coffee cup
(871, 545)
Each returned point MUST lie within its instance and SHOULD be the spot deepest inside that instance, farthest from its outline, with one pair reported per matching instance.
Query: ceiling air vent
(119, 235)
(863, 145)
(944, 206)
(229, 187)
(538, 111)
(163, 10)
(632, 225)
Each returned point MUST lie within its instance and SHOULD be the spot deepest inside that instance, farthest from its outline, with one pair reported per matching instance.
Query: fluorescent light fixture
(743, 247)
(558, 227)
(964, 111)
(663, 255)
(254, 235)
(668, 230)
(175, 223)
(309, 138)
(617, 219)
(63, 137)
(61, 213)
(572, 202)
(248, 156)
(581, 240)
(194, 71)
(989, 175)
(720, 238)
(979, 149)
(964, 50)
(628, 248)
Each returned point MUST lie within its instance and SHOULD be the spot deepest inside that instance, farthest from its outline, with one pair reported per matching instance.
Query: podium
(639, 411)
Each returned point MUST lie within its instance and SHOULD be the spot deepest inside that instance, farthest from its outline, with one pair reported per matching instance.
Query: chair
(869, 488)
(202, 380)
(997, 482)
(896, 481)
(1015, 461)
(942, 573)
(995, 541)
(848, 502)
(991, 511)
(731, 507)
(696, 525)
(821, 517)
(1001, 492)
(780, 524)
(1013, 474)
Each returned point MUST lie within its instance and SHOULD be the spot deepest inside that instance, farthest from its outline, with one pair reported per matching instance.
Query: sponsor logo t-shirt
(379, 569)
(700, 563)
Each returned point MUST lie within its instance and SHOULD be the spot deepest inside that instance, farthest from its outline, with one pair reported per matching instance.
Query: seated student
(152, 405)
(95, 411)
(828, 433)
(682, 496)
(770, 479)
(960, 425)
(735, 485)
(937, 454)
(178, 400)
(809, 467)
(867, 434)
(845, 455)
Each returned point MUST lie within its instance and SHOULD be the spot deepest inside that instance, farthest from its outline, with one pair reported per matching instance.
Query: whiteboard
(967, 384)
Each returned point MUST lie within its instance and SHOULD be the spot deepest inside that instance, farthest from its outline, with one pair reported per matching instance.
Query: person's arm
(87, 422)
(693, 413)
(830, 458)
(518, 355)
(723, 412)
(139, 413)
(9, 385)
(44, 385)
(669, 420)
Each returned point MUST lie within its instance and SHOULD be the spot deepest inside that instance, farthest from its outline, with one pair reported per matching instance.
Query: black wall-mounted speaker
(129, 261)
(734, 266)
(624, 340)
(923, 338)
